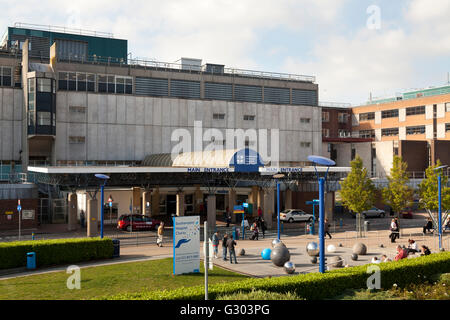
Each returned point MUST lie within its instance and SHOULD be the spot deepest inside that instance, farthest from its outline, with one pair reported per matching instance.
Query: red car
(406, 213)
(140, 222)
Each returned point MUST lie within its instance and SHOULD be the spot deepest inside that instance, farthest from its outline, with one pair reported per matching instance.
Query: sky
(354, 48)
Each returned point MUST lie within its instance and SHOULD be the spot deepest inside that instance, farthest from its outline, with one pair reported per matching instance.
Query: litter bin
(31, 260)
(366, 226)
(116, 245)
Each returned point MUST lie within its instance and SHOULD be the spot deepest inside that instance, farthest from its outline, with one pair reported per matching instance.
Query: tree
(357, 190)
(429, 193)
(398, 195)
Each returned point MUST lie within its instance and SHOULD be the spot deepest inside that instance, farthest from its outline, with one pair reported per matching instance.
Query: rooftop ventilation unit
(191, 64)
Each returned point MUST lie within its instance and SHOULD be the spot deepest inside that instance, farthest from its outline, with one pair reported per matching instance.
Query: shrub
(54, 252)
(312, 286)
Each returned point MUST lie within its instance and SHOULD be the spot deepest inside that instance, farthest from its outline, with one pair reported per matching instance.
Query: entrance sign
(186, 244)
(238, 209)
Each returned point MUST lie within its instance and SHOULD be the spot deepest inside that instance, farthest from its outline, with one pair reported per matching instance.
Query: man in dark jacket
(230, 245)
(224, 246)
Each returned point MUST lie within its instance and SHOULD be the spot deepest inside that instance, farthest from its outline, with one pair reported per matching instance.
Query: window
(31, 94)
(305, 144)
(447, 127)
(102, 83)
(343, 117)
(44, 85)
(120, 85)
(389, 132)
(72, 83)
(366, 116)
(31, 121)
(353, 155)
(325, 116)
(81, 82)
(326, 133)
(305, 120)
(90, 82)
(367, 134)
(447, 107)
(111, 84)
(62, 81)
(389, 114)
(219, 116)
(76, 140)
(5, 76)
(343, 133)
(76, 109)
(249, 117)
(415, 110)
(415, 130)
(44, 119)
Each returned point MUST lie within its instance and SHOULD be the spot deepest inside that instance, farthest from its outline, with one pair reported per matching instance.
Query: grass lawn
(101, 281)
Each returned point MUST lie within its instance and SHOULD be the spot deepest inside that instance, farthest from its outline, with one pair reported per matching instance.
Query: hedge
(54, 252)
(312, 286)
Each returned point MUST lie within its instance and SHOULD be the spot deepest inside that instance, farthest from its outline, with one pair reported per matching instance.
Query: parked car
(295, 215)
(371, 213)
(406, 213)
(140, 222)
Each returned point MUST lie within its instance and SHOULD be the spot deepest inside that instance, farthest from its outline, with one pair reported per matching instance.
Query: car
(406, 213)
(373, 212)
(295, 215)
(140, 222)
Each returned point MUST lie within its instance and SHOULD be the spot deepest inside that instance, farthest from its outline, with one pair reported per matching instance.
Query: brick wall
(11, 205)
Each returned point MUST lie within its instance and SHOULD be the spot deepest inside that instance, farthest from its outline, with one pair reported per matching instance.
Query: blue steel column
(278, 208)
(101, 213)
(440, 211)
(321, 225)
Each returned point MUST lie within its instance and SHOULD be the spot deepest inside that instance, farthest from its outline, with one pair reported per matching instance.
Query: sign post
(206, 259)
(186, 244)
(110, 201)
(19, 209)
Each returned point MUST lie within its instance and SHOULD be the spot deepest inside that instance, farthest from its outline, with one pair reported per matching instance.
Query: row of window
(410, 111)
(415, 130)
(343, 117)
(89, 82)
(6, 76)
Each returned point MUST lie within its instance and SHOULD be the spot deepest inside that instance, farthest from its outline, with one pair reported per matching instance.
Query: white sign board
(186, 244)
(27, 214)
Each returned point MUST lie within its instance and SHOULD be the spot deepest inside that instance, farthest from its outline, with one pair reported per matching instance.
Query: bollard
(116, 245)
(32, 236)
(31, 260)
(234, 234)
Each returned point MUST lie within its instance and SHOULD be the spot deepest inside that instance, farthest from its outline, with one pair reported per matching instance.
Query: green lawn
(97, 282)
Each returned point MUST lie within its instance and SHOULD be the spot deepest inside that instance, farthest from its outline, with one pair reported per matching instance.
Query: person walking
(224, 246)
(394, 231)
(326, 229)
(231, 244)
(159, 242)
(215, 243)
(398, 227)
(260, 213)
(228, 219)
(263, 227)
(82, 218)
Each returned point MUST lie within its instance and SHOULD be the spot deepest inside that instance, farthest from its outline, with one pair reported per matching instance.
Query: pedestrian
(255, 231)
(231, 244)
(428, 226)
(224, 246)
(215, 243)
(326, 230)
(398, 227)
(159, 241)
(401, 253)
(82, 218)
(228, 220)
(394, 231)
(425, 251)
(260, 213)
(225, 214)
(263, 227)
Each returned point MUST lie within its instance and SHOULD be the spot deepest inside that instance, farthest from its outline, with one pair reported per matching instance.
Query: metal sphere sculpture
(360, 249)
(275, 242)
(331, 248)
(314, 260)
(242, 252)
(312, 249)
(289, 267)
(280, 255)
(265, 254)
(354, 257)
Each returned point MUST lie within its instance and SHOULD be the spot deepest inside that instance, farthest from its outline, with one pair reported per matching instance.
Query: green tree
(398, 195)
(429, 193)
(357, 190)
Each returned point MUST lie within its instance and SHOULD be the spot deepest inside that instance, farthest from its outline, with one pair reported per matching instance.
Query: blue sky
(328, 39)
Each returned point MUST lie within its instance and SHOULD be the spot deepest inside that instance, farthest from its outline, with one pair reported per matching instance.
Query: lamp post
(278, 176)
(440, 202)
(104, 178)
(318, 160)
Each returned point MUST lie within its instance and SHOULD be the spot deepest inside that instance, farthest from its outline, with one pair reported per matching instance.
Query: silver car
(295, 215)
(373, 212)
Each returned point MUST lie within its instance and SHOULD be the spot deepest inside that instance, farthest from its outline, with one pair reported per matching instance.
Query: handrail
(51, 28)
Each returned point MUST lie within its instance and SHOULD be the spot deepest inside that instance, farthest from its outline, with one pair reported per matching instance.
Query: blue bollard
(32, 236)
(234, 233)
(31, 260)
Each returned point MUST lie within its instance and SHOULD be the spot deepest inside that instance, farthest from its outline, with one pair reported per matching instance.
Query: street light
(318, 160)
(278, 176)
(440, 202)
(104, 178)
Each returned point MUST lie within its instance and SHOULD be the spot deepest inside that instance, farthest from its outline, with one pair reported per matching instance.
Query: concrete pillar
(92, 218)
(137, 200)
(155, 202)
(211, 215)
(146, 203)
(232, 203)
(73, 209)
(198, 199)
(269, 210)
(253, 199)
(288, 199)
(329, 201)
(180, 204)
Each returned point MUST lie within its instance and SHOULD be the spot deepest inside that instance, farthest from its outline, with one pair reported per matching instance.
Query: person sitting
(255, 231)
(412, 247)
(384, 258)
(425, 251)
(375, 260)
(428, 226)
(401, 253)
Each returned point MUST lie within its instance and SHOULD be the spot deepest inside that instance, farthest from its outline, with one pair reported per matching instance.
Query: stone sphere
(340, 245)
(354, 257)
(360, 249)
(280, 255)
(289, 267)
(331, 248)
(242, 252)
(312, 249)
(335, 262)
(275, 242)
(314, 260)
(265, 254)
(381, 245)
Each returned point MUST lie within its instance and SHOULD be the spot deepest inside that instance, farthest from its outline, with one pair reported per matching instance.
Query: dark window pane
(111, 88)
(72, 85)
(81, 86)
(129, 89)
(91, 86)
(7, 81)
(101, 87)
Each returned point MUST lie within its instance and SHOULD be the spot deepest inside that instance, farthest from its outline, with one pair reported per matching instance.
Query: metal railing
(58, 29)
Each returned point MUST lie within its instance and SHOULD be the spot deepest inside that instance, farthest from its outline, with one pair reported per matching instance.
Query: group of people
(228, 246)
(403, 252)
